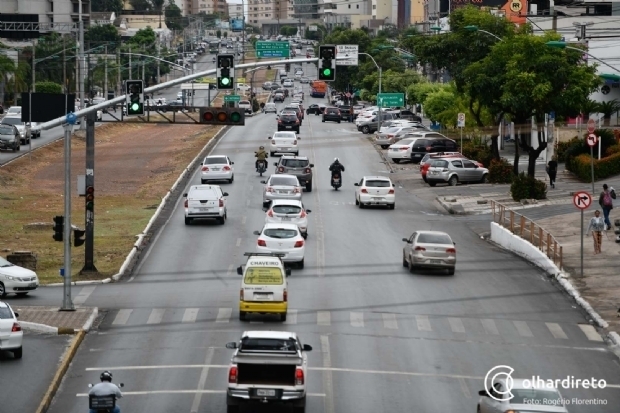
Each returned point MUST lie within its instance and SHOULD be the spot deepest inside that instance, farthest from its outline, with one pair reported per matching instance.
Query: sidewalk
(51, 320)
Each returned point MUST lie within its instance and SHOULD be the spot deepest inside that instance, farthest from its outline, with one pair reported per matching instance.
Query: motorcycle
(261, 167)
(336, 181)
(102, 404)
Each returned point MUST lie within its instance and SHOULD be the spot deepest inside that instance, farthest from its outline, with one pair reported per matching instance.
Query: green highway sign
(386, 100)
(273, 49)
(232, 98)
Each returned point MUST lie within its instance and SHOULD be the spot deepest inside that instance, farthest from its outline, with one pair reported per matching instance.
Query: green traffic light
(327, 72)
(235, 117)
(225, 81)
(135, 107)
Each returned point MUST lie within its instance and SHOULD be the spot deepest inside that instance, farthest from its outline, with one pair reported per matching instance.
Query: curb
(60, 373)
(38, 328)
(46, 329)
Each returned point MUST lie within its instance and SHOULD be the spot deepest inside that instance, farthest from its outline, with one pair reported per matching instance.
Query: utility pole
(89, 227)
(143, 66)
(64, 70)
(581, 31)
(118, 63)
(81, 65)
(67, 303)
(34, 46)
(159, 57)
(130, 71)
(105, 75)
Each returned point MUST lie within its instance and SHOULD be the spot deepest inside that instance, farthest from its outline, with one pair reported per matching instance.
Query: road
(384, 339)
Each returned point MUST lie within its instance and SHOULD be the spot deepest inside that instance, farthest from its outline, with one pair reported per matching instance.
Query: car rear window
(12, 121)
(434, 239)
(378, 183)
(244, 102)
(280, 233)
(5, 313)
(536, 397)
(329, 110)
(422, 143)
(6, 130)
(215, 160)
(286, 209)
(288, 116)
(263, 276)
(267, 344)
(295, 163)
(203, 194)
(284, 181)
(440, 163)
(289, 135)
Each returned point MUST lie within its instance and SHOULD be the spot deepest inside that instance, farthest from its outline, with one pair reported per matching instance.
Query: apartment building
(219, 7)
(49, 11)
(263, 11)
(235, 10)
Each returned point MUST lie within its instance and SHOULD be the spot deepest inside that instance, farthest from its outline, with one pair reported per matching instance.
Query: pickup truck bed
(271, 375)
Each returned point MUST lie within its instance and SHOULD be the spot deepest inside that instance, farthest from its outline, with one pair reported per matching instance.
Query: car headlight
(11, 278)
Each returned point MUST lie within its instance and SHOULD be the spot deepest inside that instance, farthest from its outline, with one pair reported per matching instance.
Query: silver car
(281, 186)
(394, 134)
(452, 171)
(429, 249)
(525, 398)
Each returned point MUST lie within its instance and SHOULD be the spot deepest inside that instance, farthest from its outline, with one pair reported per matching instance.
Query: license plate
(286, 219)
(374, 198)
(434, 172)
(216, 169)
(265, 392)
(416, 155)
(32, 285)
(289, 127)
(203, 209)
(435, 261)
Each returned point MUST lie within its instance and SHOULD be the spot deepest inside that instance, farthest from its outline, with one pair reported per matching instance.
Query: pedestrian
(605, 200)
(552, 170)
(597, 225)
(351, 114)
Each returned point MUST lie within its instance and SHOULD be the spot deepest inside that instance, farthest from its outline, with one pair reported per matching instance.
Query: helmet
(106, 376)
(262, 147)
(336, 160)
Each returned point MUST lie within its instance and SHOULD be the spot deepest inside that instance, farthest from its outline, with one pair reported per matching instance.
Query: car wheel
(338, 121)
(21, 294)
(385, 146)
(223, 220)
(271, 153)
(396, 160)
(17, 353)
(365, 129)
(283, 317)
(357, 202)
(392, 206)
(361, 205)
(231, 180)
(485, 179)
(242, 315)
(188, 221)
(300, 264)
(453, 180)
(309, 187)
(203, 181)
(323, 120)
(2, 290)
(297, 130)
(411, 266)
(424, 178)
(405, 263)
(432, 183)
(451, 271)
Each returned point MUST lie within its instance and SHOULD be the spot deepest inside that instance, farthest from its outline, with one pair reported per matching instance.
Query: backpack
(607, 199)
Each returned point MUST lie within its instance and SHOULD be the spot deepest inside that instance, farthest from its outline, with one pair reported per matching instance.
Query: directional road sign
(592, 140)
(591, 125)
(347, 55)
(461, 120)
(582, 200)
(232, 98)
(273, 49)
(387, 100)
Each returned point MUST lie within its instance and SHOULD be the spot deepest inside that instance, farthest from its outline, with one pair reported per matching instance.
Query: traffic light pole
(67, 303)
(89, 227)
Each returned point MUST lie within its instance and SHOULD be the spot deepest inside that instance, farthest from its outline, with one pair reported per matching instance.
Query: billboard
(46, 106)
(237, 25)
(515, 10)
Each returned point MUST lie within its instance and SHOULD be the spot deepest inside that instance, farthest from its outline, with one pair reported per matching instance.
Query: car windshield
(536, 397)
(244, 102)
(378, 183)
(215, 160)
(439, 163)
(294, 163)
(263, 276)
(5, 313)
(434, 239)
(280, 233)
(286, 209)
(267, 344)
(6, 130)
(12, 121)
(284, 181)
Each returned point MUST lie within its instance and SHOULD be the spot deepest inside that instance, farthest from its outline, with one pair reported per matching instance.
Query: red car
(426, 161)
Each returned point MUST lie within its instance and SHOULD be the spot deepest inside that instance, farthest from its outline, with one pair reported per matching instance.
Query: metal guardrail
(528, 230)
(37, 27)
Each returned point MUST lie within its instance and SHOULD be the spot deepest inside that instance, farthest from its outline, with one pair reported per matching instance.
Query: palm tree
(7, 66)
(608, 109)
(589, 107)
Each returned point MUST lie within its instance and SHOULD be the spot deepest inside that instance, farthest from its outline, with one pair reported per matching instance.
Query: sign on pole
(582, 200)
(387, 100)
(232, 98)
(591, 125)
(272, 49)
(592, 139)
(461, 120)
(347, 55)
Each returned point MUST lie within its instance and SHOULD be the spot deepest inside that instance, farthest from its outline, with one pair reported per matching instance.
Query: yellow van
(263, 286)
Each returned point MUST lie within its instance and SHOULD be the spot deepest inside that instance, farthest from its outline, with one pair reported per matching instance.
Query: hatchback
(453, 171)
(283, 142)
(297, 110)
(270, 107)
(205, 202)
(11, 334)
(288, 83)
(375, 190)
(281, 186)
(217, 168)
(288, 121)
(425, 163)
(280, 238)
(429, 249)
(10, 138)
(317, 109)
(401, 150)
(332, 114)
(299, 166)
(288, 211)
(16, 279)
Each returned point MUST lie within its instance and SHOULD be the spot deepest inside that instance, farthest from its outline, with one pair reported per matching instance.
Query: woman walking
(597, 225)
(552, 170)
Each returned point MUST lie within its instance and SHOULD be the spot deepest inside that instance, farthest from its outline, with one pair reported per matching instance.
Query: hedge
(500, 172)
(527, 187)
(603, 168)
(478, 153)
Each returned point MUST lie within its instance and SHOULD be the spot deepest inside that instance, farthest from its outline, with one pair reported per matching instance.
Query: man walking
(605, 200)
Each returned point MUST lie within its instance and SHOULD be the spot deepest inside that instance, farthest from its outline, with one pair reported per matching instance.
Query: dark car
(430, 142)
(332, 114)
(345, 111)
(315, 109)
(278, 97)
(299, 166)
(283, 91)
(274, 86)
(297, 110)
(288, 121)
(9, 137)
(409, 115)
(373, 125)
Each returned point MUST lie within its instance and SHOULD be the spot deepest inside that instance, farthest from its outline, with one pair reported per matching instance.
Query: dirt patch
(135, 166)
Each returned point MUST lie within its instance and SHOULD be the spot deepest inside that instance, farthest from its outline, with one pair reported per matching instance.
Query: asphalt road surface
(25, 381)
(384, 339)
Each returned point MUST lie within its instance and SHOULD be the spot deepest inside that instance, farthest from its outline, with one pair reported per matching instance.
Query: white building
(235, 10)
(49, 11)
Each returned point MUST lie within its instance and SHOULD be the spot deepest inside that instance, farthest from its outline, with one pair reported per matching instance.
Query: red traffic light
(222, 116)
(208, 117)
(90, 193)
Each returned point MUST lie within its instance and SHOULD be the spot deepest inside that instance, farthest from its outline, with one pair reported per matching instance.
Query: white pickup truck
(267, 367)
(246, 105)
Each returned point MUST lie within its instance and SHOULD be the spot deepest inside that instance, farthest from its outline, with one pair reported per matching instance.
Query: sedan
(288, 83)
(525, 398)
(401, 150)
(315, 109)
(16, 279)
(281, 186)
(10, 138)
(217, 168)
(288, 121)
(429, 249)
(375, 190)
(284, 239)
(304, 80)
(453, 171)
(332, 114)
(11, 334)
(289, 212)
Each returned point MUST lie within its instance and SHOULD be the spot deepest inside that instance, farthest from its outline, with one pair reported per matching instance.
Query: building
(403, 14)
(102, 18)
(418, 11)
(49, 11)
(383, 10)
(262, 11)
(235, 10)
(218, 7)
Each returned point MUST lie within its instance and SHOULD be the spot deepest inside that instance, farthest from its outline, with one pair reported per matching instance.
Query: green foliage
(477, 152)
(418, 92)
(173, 16)
(97, 35)
(579, 146)
(115, 6)
(438, 102)
(612, 150)
(564, 147)
(603, 168)
(225, 34)
(500, 171)
(255, 105)
(48, 87)
(527, 187)
(288, 30)
(218, 34)
(346, 75)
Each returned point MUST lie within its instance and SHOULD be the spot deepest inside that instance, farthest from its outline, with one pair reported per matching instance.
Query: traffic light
(134, 94)
(59, 227)
(225, 71)
(78, 237)
(222, 116)
(90, 199)
(327, 69)
(287, 67)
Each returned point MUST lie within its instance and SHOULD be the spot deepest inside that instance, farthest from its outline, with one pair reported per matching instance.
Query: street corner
(464, 205)
(53, 320)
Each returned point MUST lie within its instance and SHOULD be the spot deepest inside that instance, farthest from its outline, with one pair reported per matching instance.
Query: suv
(205, 202)
(297, 110)
(288, 121)
(332, 114)
(299, 166)
(278, 97)
(430, 142)
(345, 112)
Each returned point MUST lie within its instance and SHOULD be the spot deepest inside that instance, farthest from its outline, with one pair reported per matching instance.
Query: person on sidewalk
(597, 225)
(605, 200)
(552, 170)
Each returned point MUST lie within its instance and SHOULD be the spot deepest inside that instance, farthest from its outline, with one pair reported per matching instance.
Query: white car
(11, 334)
(401, 150)
(282, 239)
(205, 202)
(217, 168)
(365, 117)
(288, 211)
(270, 107)
(525, 397)
(283, 142)
(288, 83)
(281, 186)
(375, 190)
(243, 87)
(16, 279)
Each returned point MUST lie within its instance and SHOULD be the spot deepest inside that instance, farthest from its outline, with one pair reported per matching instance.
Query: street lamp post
(563, 45)
(473, 28)
(379, 103)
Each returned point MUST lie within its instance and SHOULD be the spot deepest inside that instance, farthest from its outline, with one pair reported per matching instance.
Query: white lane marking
(523, 329)
(223, 315)
(85, 292)
(489, 327)
(323, 318)
(238, 242)
(556, 331)
(190, 315)
(389, 321)
(357, 319)
(327, 375)
(590, 332)
(243, 219)
(464, 388)
(121, 317)
(423, 323)
(231, 267)
(157, 314)
(291, 317)
(456, 324)
(202, 381)
(150, 392)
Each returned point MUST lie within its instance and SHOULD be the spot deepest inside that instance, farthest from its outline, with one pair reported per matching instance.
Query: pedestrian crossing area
(525, 160)
(359, 320)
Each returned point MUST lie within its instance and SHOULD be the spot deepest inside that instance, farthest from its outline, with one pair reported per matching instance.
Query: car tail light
(299, 244)
(16, 328)
(205, 169)
(186, 203)
(299, 377)
(221, 203)
(241, 294)
(404, 148)
(420, 249)
(296, 120)
(307, 170)
(226, 168)
(390, 136)
(270, 213)
(295, 142)
(303, 214)
(280, 169)
(451, 250)
(364, 191)
(391, 191)
(270, 189)
(232, 375)
(279, 120)
(262, 243)
(297, 190)
(428, 149)
(285, 296)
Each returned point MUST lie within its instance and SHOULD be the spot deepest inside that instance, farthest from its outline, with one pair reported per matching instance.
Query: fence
(528, 230)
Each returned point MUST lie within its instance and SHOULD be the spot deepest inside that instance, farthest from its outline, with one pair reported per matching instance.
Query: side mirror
(268, 137)
(483, 393)
(231, 345)
(16, 315)
(406, 240)
(225, 194)
(185, 195)
(454, 243)
(201, 163)
(307, 347)
(232, 163)
(308, 211)
(121, 385)
(275, 164)
(287, 271)
(311, 165)
(256, 232)
(240, 270)
(263, 182)
(356, 184)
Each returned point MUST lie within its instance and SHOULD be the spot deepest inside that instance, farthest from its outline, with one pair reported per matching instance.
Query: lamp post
(473, 28)
(379, 103)
(562, 45)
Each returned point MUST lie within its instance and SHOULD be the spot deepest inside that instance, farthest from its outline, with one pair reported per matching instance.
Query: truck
(267, 367)
(318, 90)
(246, 105)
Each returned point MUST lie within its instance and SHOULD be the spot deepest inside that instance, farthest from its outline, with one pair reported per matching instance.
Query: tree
(144, 43)
(608, 109)
(115, 6)
(225, 35)
(158, 6)
(141, 6)
(437, 102)
(218, 33)
(102, 34)
(173, 16)
(48, 87)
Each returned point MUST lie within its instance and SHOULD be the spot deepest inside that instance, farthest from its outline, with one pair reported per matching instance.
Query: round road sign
(582, 200)
(516, 6)
(461, 117)
(591, 125)
(592, 140)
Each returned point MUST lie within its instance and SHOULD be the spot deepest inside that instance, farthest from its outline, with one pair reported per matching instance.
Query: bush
(255, 105)
(500, 172)
(480, 153)
(48, 87)
(527, 187)
(612, 150)
(564, 147)
(603, 168)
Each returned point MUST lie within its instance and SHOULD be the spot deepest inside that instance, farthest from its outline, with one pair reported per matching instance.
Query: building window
(374, 7)
(358, 6)
(349, 6)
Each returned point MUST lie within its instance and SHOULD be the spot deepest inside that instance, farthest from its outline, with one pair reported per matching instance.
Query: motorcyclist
(261, 155)
(106, 388)
(336, 167)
